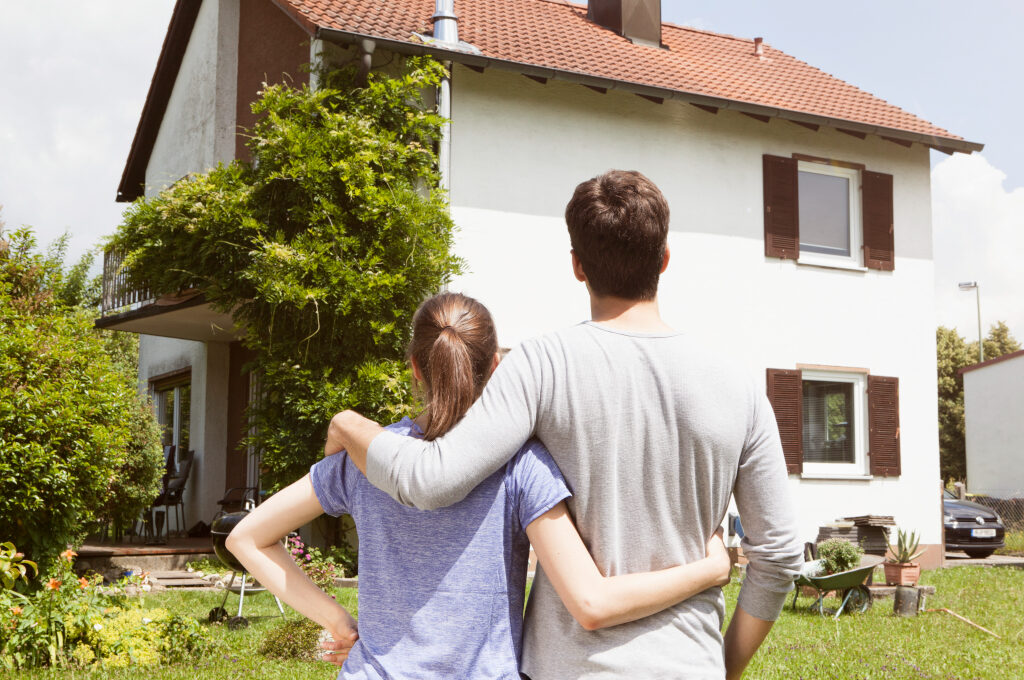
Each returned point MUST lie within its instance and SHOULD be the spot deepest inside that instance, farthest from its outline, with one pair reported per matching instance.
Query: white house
(801, 231)
(993, 402)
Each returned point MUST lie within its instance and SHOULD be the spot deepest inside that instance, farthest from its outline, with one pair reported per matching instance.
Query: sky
(74, 76)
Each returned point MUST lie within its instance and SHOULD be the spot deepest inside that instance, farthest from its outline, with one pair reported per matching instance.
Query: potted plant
(837, 555)
(900, 568)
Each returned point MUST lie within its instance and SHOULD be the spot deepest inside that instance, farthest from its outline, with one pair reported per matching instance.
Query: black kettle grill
(222, 526)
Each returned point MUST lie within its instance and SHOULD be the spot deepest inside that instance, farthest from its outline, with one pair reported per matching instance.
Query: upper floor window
(828, 212)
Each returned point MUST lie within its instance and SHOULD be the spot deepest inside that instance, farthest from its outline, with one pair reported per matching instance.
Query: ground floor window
(834, 405)
(172, 398)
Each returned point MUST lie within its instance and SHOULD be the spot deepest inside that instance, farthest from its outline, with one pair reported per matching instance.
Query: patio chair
(174, 490)
(146, 517)
(238, 498)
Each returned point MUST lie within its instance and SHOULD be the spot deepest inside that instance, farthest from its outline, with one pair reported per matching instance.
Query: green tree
(954, 354)
(321, 249)
(77, 443)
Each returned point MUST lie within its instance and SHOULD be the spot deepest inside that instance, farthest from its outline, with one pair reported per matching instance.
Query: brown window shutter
(781, 208)
(884, 425)
(786, 394)
(876, 195)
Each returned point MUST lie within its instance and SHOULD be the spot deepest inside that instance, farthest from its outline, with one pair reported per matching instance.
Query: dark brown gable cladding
(785, 392)
(781, 208)
(876, 194)
(884, 425)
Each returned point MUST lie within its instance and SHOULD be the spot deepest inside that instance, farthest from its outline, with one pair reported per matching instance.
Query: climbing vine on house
(321, 248)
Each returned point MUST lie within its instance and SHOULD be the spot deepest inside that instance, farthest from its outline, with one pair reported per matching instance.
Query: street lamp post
(968, 285)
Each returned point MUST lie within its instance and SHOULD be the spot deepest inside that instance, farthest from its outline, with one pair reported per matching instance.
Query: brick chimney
(638, 20)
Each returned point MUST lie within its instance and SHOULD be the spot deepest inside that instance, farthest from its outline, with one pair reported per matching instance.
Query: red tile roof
(704, 67)
(553, 38)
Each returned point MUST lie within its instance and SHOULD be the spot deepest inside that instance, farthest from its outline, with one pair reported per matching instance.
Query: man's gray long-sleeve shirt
(652, 432)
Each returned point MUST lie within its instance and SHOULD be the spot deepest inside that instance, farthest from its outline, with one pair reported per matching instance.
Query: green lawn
(1014, 543)
(236, 657)
(802, 644)
(932, 645)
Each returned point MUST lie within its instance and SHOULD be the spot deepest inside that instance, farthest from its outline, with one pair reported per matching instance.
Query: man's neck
(641, 316)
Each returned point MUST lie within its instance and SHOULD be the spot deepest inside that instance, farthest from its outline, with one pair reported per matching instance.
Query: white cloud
(76, 77)
(979, 235)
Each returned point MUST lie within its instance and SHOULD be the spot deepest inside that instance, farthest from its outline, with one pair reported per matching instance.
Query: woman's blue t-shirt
(441, 592)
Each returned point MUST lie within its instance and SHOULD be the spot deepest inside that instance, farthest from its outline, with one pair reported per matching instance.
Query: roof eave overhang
(133, 178)
(944, 144)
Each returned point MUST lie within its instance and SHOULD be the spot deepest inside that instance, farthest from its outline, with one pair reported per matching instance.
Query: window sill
(828, 263)
(833, 476)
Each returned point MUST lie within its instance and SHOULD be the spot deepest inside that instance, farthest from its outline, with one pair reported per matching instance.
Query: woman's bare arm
(597, 601)
(256, 542)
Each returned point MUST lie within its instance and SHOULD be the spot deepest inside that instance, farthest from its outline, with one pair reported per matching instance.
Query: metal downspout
(444, 109)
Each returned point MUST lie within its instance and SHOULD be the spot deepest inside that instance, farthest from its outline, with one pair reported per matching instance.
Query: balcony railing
(118, 294)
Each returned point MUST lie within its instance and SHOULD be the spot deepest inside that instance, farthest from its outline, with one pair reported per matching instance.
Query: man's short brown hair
(618, 226)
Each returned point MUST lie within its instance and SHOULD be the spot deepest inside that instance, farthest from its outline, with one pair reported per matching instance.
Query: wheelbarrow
(850, 584)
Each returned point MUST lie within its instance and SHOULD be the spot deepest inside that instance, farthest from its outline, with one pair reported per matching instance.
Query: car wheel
(979, 554)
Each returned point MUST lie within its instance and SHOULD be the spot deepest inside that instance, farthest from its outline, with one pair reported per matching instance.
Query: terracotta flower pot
(902, 574)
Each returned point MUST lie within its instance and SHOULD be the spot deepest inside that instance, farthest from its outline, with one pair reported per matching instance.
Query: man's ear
(577, 267)
(497, 360)
(416, 372)
(664, 260)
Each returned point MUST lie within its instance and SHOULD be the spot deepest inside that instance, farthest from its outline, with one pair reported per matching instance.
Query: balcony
(184, 315)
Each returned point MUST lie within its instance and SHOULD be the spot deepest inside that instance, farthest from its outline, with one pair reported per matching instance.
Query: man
(652, 431)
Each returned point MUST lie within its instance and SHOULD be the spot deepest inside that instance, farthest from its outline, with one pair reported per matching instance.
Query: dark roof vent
(638, 20)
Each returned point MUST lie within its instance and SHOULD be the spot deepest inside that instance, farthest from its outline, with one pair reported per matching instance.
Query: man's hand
(352, 433)
(719, 555)
(335, 432)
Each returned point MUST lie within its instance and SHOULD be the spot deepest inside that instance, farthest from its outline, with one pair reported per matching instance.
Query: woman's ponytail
(453, 343)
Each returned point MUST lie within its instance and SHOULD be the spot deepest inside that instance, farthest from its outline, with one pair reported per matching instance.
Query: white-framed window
(830, 214)
(834, 423)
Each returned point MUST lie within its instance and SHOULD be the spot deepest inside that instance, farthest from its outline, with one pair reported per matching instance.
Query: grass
(235, 656)
(873, 645)
(877, 644)
(1014, 543)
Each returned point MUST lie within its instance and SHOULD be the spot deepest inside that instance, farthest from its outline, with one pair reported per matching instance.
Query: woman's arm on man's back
(598, 601)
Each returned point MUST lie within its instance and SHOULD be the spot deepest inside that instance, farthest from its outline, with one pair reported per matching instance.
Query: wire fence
(1011, 510)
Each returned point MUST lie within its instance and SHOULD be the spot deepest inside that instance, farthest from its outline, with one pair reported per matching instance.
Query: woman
(441, 592)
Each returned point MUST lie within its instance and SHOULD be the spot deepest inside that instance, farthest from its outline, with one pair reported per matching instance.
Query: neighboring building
(801, 235)
(993, 403)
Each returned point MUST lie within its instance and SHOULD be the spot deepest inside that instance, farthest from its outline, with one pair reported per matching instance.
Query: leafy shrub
(75, 621)
(71, 420)
(321, 248)
(320, 569)
(294, 639)
(838, 555)
(13, 566)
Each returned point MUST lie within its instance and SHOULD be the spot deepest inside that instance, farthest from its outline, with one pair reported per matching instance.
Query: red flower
(53, 584)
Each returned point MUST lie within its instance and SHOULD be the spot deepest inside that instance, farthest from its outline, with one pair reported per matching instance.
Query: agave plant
(904, 550)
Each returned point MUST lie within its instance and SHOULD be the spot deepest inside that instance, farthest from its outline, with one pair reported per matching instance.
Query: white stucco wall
(993, 403)
(519, 149)
(197, 132)
(208, 423)
(198, 127)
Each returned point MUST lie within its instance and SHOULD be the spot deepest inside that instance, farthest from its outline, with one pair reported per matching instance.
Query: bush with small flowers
(321, 570)
(73, 621)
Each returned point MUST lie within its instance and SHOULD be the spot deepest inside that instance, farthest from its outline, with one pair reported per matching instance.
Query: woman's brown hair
(453, 343)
